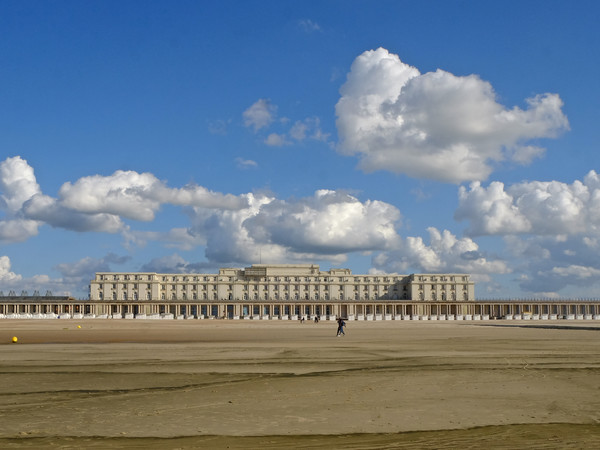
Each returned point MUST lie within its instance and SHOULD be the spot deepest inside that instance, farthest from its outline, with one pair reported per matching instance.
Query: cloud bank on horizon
(391, 117)
(329, 225)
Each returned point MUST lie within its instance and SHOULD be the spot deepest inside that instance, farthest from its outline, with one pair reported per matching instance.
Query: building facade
(290, 292)
(282, 291)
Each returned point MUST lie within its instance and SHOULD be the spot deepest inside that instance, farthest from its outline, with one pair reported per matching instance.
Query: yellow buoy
(78, 326)
(14, 339)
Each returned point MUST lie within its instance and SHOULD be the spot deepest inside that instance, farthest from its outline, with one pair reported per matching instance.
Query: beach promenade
(275, 384)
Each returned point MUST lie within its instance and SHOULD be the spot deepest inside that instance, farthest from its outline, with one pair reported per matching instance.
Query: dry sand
(269, 384)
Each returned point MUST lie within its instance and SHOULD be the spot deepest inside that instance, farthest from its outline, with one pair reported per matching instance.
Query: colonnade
(375, 310)
(226, 310)
(58, 308)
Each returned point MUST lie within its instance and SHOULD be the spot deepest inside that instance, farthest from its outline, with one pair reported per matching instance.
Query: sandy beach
(272, 384)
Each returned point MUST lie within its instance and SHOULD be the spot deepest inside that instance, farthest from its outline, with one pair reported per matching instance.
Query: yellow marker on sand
(14, 339)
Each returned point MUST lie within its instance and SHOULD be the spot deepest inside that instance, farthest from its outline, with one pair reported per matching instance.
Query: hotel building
(290, 292)
(282, 291)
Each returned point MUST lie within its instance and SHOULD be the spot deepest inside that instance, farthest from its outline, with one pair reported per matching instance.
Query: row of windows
(266, 297)
(443, 296)
(357, 279)
(356, 287)
(442, 278)
(249, 287)
(103, 277)
(434, 287)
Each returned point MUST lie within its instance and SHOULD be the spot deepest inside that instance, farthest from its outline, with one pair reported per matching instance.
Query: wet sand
(270, 384)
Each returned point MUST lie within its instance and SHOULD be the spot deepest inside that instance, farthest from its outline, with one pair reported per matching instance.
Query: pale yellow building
(290, 292)
(279, 291)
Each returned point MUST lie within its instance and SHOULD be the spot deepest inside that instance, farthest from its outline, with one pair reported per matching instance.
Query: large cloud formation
(536, 207)
(137, 196)
(233, 229)
(445, 253)
(550, 229)
(95, 203)
(436, 125)
(328, 225)
(328, 222)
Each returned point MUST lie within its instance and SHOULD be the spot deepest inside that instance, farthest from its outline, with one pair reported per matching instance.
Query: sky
(380, 136)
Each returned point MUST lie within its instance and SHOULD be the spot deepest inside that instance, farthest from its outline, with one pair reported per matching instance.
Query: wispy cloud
(276, 140)
(218, 127)
(260, 115)
(242, 163)
(309, 26)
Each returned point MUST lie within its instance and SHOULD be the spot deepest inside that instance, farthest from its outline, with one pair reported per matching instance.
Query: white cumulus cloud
(17, 185)
(550, 228)
(94, 203)
(125, 193)
(17, 230)
(329, 222)
(137, 195)
(436, 125)
(328, 225)
(226, 238)
(6, 276)
(444, 253)
(536, 207)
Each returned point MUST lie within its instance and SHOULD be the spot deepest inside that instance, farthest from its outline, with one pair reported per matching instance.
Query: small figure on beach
(301, 319)
(341, 325)
(316, 319)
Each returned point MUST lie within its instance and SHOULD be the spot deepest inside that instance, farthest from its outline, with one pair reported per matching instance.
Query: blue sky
(384, 136)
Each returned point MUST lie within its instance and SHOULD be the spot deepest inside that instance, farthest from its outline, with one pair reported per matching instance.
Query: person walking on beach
(341, 325)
